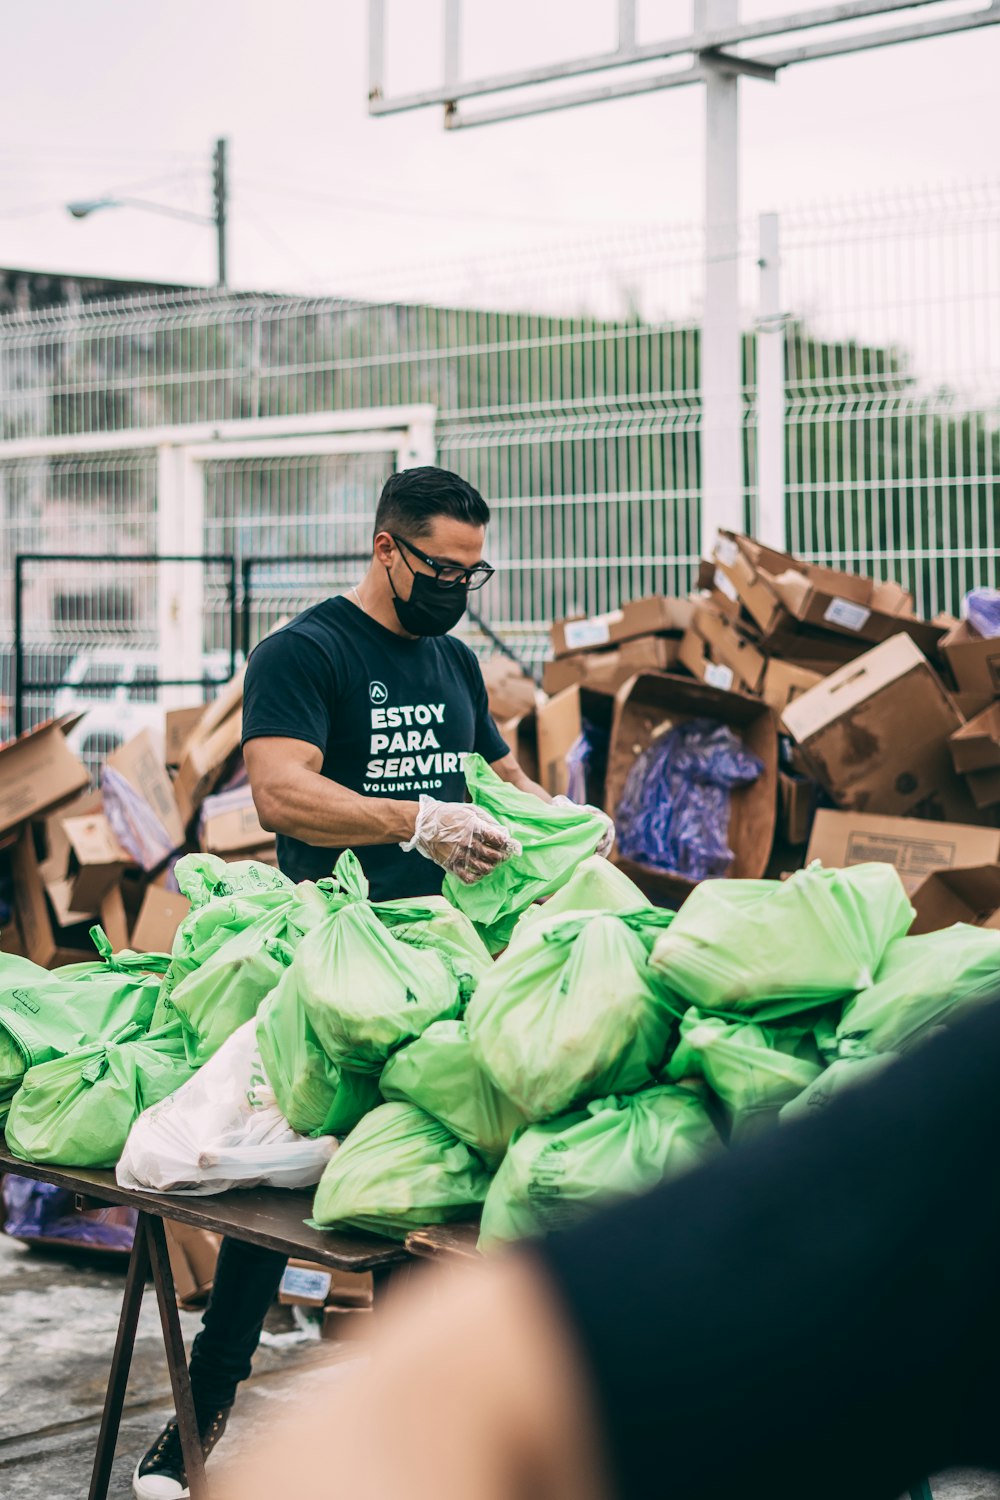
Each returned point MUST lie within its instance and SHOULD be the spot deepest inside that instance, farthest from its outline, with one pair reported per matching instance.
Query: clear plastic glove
(461, 838)
(607, 843)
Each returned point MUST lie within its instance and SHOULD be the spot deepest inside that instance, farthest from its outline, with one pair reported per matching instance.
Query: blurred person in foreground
(816, 1314)
(357, 718)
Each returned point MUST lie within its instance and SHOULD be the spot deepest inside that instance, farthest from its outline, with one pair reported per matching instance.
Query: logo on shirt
(378, 692)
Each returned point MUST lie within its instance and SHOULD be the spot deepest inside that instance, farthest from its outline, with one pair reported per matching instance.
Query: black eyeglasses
(450, 574)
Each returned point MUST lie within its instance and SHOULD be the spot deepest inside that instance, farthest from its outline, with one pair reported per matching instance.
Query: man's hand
(474, 1391)
(461, 838)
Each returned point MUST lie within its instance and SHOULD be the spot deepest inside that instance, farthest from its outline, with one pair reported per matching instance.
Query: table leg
(114, 1401)
(177, 1364)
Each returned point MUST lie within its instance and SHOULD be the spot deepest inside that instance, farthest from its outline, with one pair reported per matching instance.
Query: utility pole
(220, 193)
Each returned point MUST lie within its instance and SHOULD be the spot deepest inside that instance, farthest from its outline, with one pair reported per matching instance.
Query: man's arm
(293, 797)
(510, 769)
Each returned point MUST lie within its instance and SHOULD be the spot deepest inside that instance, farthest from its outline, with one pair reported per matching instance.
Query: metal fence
(565, 385)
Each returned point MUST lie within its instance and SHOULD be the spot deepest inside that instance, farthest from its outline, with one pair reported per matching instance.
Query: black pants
(246, 1282)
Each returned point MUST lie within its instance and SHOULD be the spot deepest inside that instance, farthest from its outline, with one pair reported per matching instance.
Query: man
(356, 719)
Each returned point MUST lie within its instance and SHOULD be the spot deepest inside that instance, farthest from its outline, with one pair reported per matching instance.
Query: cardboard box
(971, 704)
(968, 894)
(229, 824)
(227, 701)
(715, 651)
(875, 735)
(796, 805)
(304, 1284)
(657, 614)
(96, 860)
(37, 773)
(521, 738)
(50, 834)
(180, 725)
(559, 724)
(160, 915)
(914, 847)
(984, 787)
(976, 745)
(974, 661)
(193, 1255)
(509, 690)
(139, 763)
(782, 594)
(642, 708)
(605, 671)
(785, 680)
(204, 763)
(113, 919)
(43, 943)
(343, 1323)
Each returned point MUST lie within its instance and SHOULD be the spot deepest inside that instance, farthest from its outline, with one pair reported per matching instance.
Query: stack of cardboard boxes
(879, 731)
(63, 866)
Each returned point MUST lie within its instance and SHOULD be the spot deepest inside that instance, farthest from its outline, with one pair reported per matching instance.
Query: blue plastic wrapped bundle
(674, 813)
(981, 608)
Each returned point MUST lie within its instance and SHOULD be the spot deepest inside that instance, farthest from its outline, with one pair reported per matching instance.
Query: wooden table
(444, 1242)
(261, 1216)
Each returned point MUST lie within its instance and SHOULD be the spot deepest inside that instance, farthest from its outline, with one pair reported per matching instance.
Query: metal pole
(721, 339)
(18, 645)
(770, 524)
(220, 193)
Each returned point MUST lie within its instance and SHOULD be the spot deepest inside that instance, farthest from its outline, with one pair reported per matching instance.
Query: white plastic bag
(220, 1130)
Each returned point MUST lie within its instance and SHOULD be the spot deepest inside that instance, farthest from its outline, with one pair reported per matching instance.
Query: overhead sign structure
(718, 50)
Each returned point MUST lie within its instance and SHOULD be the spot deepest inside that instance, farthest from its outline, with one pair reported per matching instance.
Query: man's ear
(384, 549)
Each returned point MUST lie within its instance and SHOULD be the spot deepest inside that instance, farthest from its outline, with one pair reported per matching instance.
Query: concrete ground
(58, 1319)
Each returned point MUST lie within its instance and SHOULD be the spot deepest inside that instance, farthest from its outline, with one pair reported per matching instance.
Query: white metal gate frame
(182, 451)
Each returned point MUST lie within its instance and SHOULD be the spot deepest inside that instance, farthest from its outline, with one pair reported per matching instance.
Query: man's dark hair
(413, 498)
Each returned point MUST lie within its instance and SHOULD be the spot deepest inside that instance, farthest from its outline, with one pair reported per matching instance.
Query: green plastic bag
(839, 1078)
(125, 962)
(77, 1110)
(314, 1095)
(923, 982)
(399, 1169)
(224, 993)
(365, 992)
(556, 1173)
(439, 1074)
(432, 922)
(44, 1015)
(752, 1069)
(597, 885)
(572, 1011)
(206, 877)
(775, 947)
(282, 912)
(553, 839)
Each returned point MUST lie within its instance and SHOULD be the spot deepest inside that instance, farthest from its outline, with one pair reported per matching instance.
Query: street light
(82, 208)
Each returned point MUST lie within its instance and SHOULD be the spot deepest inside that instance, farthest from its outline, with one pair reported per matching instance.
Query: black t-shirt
(393, 718)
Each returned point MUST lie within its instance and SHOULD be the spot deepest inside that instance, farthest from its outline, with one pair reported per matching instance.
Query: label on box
(718, 676)
(726, 551)
(846, 614)
(298, 1282)
(725, 586)
(583, 634)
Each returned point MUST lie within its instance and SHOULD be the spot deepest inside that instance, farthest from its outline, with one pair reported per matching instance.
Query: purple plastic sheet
(674, 814)
(981, 608)
(41, 1211)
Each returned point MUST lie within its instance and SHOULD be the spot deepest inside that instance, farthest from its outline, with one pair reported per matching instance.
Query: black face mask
(433, 608)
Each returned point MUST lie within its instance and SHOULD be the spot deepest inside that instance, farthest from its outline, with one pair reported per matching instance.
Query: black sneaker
(160, 1474)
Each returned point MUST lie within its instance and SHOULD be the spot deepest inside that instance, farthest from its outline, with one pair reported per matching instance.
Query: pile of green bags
(609, 1046)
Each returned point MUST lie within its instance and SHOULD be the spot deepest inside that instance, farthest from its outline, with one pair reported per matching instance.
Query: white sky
(110, 94)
